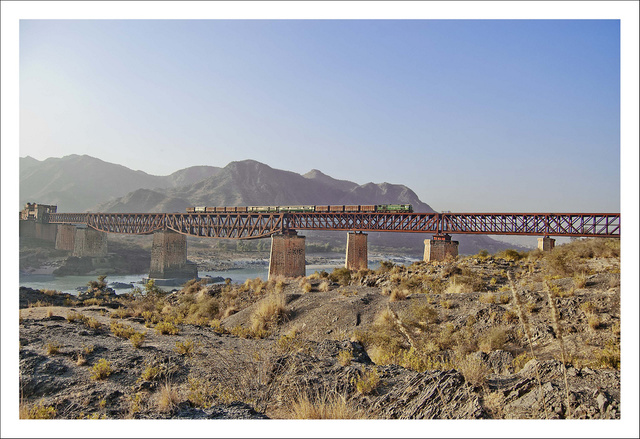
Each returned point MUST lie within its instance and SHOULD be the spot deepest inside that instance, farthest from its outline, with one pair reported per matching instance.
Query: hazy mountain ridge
(251, 183)
(75, 183)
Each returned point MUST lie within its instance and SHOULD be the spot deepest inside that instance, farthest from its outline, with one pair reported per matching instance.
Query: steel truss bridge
(260, 225)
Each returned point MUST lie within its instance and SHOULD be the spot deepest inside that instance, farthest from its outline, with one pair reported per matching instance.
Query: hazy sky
(474, 115)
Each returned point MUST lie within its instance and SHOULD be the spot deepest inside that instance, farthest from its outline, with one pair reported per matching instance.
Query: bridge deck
(260, 225)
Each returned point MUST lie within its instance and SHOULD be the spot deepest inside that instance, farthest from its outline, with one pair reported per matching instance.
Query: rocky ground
(424, 341)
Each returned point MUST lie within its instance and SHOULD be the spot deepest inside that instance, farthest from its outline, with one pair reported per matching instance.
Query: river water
(70, 284)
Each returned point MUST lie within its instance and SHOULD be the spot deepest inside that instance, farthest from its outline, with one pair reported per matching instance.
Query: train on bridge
(382, 208)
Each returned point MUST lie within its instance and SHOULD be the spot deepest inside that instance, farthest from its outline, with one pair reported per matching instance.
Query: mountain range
(79, 183)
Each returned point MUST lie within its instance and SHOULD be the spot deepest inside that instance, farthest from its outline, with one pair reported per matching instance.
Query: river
(70, 284)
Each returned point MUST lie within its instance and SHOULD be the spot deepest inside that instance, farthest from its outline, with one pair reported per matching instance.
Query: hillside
(426, 341)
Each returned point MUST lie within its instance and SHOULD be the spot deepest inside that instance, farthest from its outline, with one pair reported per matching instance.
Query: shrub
(166, 327)
(609, 356)
(122, 331)
(151, 373)
(447, 304)
(92, 323)
(101, 370)
(73, 316)
(186, 347)
(324, 286)
(137, 339)
(37, 411)
(341, 276)
(368, 382)
(510, 255)
(345, 357)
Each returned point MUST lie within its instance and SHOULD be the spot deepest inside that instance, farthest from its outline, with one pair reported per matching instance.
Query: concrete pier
(169, 257)
(89, 243)
(357, 256)
(287, 255)
(546, 244)
(440, 248)
(66, 237)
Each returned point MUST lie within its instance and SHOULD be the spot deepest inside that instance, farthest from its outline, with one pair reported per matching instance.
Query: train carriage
(351, 208)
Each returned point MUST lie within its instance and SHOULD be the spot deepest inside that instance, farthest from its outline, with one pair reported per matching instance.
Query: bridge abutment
(66, 237)
(287, 255)
(546, 244)
(357, 255)
(88, 242)
(439, 248)
(169, 257)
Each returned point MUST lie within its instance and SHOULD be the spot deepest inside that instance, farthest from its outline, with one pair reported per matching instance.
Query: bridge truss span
(364, 222)
(542, 224)
(254, 225)
(226, 225)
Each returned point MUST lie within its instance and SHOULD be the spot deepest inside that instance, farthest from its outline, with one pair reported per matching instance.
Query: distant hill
(78, 182)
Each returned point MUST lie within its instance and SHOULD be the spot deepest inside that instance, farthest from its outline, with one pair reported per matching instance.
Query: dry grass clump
(269, 313)
(52, 348)
(324, 286)
(398, 294)
(493, 339)
(305, 285)
(345, 357)
(473, 369)
(323, 406)
(167, 397)
(494, 403)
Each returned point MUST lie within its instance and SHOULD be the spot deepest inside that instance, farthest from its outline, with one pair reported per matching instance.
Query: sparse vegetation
(306, 353)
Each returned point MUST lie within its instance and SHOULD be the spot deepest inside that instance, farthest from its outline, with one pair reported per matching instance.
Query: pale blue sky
(474, 115)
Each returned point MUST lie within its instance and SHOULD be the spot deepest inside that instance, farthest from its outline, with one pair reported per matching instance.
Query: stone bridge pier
(287, 255)
(546, 244)
(439, 248)
(87, 242)
(357, 255)
(169, 257)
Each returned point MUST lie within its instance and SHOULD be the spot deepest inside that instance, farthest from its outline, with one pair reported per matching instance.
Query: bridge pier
(66, 237)
(88, 242)
(169, 257)
(357, 256)
(287, 255)
(546, 244)
(439, 248)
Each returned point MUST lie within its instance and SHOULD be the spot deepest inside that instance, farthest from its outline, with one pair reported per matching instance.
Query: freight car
(349, 208)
